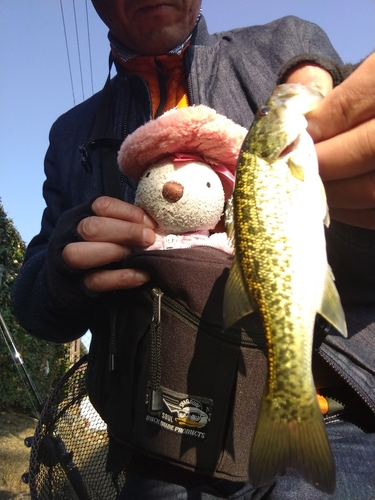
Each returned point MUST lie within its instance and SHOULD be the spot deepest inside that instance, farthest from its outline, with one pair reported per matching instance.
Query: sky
(37, 84)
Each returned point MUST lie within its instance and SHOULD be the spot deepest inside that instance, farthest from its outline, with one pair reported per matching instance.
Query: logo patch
(183, 414)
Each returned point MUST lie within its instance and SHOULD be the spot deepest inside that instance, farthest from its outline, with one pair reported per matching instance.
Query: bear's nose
(173, 191)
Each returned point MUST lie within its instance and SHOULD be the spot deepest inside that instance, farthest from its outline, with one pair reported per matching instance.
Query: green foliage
(45, 362)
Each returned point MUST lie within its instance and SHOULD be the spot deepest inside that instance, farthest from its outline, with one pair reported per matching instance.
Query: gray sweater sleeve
(338, 71)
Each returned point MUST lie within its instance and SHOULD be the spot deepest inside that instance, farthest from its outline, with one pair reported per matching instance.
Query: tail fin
(300, 443)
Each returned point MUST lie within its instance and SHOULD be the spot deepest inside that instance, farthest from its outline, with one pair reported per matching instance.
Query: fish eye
(263, 111)
(148, 174)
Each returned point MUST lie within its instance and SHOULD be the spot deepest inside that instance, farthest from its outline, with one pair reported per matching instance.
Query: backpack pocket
(184, 390)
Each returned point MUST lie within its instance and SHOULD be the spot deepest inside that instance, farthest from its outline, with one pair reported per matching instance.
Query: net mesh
(70, 445)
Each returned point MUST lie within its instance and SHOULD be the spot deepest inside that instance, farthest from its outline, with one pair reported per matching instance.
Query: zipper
(126, 117)
(112, 349)
(125, 130)
(188, 78)
(126, 108)
(232, 335)
(359, 392)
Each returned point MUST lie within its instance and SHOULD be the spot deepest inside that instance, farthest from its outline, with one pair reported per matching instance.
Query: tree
(45, 362)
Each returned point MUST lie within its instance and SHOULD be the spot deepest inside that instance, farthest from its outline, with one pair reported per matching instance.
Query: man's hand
(343, 128)
(109, 237)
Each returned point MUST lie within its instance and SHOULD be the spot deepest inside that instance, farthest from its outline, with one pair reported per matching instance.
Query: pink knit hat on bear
(197, 131)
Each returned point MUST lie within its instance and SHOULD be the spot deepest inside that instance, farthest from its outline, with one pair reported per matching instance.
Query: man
(166, 58)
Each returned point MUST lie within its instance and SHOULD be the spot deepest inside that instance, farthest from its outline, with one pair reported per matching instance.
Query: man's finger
(355, 193)
(88, 255)
(348, 105)
(105, 206)
(349, 154)
(110, 280)
(359, 218)
(115, 231)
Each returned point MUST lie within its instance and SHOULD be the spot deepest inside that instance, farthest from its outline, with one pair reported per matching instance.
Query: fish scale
(280, 269)
(279, 300)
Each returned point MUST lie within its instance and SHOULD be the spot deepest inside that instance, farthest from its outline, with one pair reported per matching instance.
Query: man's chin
(160, 41)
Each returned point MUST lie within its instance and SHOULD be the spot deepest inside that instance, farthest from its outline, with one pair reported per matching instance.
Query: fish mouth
(290, 147)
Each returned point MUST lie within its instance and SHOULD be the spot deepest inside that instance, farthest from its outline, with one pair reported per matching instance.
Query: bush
(45, 362)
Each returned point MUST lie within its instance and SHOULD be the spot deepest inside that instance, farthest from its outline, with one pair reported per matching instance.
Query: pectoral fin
(331, 308)
(324, 203)
(327, 219)
(296, 168)
(237, 303)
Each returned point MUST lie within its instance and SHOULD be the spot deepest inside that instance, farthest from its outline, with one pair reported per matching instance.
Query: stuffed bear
(184, 162)
(186, 199)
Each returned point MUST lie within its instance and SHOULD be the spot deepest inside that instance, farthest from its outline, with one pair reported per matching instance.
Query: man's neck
(125, 54)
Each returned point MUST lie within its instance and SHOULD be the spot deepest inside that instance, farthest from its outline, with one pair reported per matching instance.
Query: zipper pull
(157, 294)
(155, 400)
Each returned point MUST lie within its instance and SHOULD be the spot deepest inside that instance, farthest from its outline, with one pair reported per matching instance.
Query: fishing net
(70, 445)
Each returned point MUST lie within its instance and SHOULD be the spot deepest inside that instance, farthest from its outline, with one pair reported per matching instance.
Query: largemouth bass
(280, 269)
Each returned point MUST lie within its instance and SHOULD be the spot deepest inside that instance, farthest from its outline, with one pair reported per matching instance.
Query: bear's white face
(182, 197)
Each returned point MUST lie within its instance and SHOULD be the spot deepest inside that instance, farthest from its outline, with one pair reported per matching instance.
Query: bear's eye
(208, 184)
(148, 174)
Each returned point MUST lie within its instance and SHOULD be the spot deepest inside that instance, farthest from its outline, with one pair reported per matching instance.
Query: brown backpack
(182, 389)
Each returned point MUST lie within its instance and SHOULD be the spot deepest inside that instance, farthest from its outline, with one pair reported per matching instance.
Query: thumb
(311, 75)
(348, 105)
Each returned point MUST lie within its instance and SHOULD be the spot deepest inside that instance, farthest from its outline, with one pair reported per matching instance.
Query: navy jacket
(233, 72)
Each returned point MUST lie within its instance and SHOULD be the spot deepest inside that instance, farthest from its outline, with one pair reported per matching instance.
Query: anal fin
(331, 309)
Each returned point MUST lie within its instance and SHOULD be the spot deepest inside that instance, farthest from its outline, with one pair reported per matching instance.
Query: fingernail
(148, 236)
(142, 277)
(317, 86)
(314, 130)
(148, 221)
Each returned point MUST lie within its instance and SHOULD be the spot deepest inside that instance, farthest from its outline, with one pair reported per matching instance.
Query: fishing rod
(20, 364)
